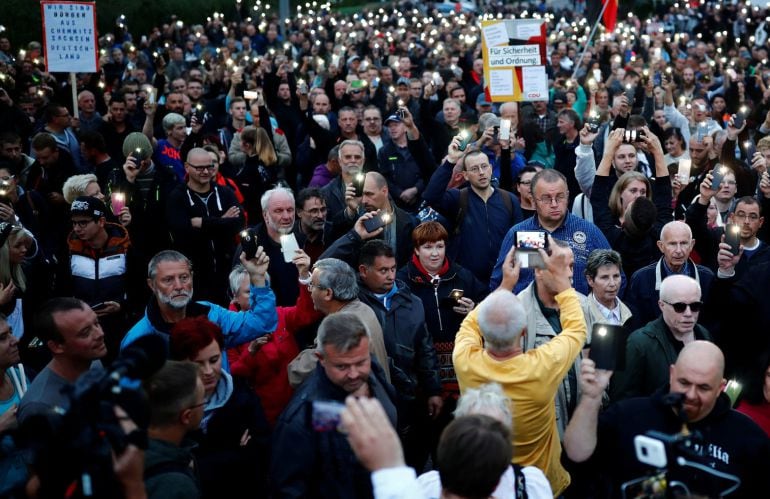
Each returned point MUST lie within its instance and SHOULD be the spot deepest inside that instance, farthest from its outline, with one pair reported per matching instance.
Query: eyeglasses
(729, 182)
(680, 307)
(548, 200)
(81, 223)
(743, 216)
(478, 168)
(525, 182)
(310, 286)
(200, 168)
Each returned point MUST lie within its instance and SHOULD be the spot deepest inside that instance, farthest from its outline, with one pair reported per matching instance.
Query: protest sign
(514, 59)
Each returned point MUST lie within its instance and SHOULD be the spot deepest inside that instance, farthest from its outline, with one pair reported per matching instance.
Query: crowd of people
(322, 221)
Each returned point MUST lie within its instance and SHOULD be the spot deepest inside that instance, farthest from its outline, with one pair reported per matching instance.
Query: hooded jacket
(99, 275)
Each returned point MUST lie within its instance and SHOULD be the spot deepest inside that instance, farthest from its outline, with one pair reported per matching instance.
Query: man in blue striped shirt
(549, 189)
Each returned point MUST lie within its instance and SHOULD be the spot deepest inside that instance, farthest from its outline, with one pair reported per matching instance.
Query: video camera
(678, 462)
(72, 451)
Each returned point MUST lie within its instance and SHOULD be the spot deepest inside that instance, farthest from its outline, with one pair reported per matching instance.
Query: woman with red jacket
(264, 360)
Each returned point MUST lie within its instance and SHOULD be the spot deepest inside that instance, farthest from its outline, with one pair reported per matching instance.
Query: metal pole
(590, 37)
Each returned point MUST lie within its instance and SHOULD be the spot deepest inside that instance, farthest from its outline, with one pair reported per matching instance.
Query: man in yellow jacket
(488, 348)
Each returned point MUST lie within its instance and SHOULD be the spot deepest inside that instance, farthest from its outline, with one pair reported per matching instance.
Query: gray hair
(352, 142)
(236, 278)
(166, 256)
(502, 319)
(265, 200)
(337, 276)
(487, 399)
(342, 330)
(173, 119)
(601, 257)
(76, 186)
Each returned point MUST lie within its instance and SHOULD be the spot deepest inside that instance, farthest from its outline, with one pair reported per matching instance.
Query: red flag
(610, 17)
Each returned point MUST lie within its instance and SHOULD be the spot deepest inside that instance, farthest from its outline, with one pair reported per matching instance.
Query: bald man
(203, 219)
(731, 443)
(397, 233)
(654, 347)
(676, 244)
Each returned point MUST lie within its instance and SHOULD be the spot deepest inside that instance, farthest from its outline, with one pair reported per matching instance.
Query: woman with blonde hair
(260, 171)
(16, 243)
(631, 210)
(88, 185)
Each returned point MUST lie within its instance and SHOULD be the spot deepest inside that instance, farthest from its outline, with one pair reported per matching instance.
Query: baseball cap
(481, 100)
(393, 117)
(88, 206)
(403, 81)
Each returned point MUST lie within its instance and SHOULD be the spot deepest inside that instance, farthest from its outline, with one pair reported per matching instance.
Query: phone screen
(288, 247)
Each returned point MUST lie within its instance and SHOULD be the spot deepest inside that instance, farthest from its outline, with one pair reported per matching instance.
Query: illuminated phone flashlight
(244, 234)
(602, 331)
(743, 110)
(360, 177)
(400, 103)
(391, 89)
(386, 218)
(746, 144)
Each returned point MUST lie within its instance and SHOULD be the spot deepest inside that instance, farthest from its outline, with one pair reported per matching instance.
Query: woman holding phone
(448, 292)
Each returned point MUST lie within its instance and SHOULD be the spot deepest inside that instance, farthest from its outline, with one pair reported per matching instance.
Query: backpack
(506, 196)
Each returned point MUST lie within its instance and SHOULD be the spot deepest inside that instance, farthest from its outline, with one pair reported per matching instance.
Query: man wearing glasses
(481, 212)
(549, 189)
(203, 219)
(654, 347)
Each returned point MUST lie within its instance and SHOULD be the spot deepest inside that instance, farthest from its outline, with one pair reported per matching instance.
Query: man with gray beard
(278, 216)
(170, 277)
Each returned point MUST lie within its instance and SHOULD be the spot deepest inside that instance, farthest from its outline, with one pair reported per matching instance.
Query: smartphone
(400, 112)
(327, 415)
(594, 122)
(452, 300)
(733, 237)
(358, 184)
(657, 80)
(465, 139)
(527, 244)
(717, 175)
(288, 247)
(630, 92)
(629, 136)
(302, 87)
(496, 134)
(685, 165)
(250, 94)
(608, 346)
(505, 130)
(639, 134)
(738, 120)
(378, 221)
(151, 96)
(249, 243)
(98, 306)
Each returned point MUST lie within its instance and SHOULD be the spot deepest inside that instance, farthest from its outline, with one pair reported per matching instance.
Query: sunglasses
(680, 307)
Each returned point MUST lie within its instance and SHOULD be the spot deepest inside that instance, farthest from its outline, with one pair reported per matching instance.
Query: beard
(177, 302)
(281, 230)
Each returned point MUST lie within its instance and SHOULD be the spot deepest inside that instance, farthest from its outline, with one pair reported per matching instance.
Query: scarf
(443, 270)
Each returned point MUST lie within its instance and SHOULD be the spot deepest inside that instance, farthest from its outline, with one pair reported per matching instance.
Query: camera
(73, 452)
(327, 415)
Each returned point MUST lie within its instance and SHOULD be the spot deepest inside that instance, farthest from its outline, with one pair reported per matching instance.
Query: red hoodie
(266, 368)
